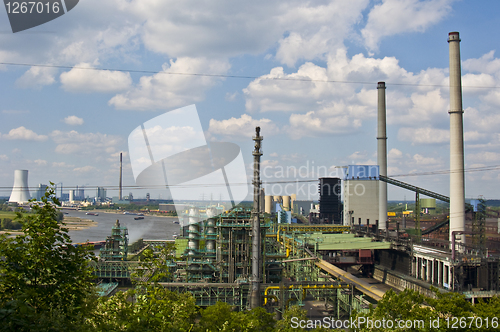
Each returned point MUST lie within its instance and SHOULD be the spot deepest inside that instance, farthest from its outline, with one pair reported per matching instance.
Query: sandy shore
(71, 223)
(77, 224)
(11, 233)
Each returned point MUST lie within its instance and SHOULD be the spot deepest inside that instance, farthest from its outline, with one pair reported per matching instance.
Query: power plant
(280, 251)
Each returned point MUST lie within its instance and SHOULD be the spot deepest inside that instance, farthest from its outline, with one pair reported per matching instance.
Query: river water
(149, 228)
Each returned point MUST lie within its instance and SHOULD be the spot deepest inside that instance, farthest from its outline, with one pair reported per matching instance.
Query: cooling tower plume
(382, 155)
(20, 190)
(457, 178)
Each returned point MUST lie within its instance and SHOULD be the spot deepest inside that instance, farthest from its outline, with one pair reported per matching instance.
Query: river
(149, 228)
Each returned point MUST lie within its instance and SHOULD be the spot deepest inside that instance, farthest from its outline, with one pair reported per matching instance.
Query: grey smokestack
(256, 247)
(457, 181)
(120, 184)
(382, 155)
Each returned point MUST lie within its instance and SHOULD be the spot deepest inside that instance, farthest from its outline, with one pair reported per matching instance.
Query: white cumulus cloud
(22, 133)
(393, 17)
(37, 77)
(178, 84)
(425, 135)
(84, 78)
(73, 120)
(85, 169)
(73, 142)
(243, 126)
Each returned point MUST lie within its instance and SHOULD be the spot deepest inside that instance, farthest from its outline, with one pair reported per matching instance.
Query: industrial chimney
(20, 190)
(256, 240)
(457, 181)
(382, 155)
(120, 183)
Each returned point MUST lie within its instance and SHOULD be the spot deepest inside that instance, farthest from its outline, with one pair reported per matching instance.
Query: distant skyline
(73, 89)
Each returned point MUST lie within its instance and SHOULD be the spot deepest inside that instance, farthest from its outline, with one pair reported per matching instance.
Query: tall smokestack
(120, 184)
(457, 179)
(382, 155)
(256, 247)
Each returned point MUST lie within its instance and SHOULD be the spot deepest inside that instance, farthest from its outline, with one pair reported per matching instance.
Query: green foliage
(45, 282)
(154, 309)
(450, 304)
(407, 305)
(285, 324)
(221, 317)
(7, 223)
(452, 310)
(154, 261)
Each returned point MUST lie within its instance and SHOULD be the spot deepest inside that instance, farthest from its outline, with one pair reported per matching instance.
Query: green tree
(6, 223)
(410, 305)
(136, 310)
(45, 282)
(221, 317)
(290, 317)
(487, 309)
(153, 265)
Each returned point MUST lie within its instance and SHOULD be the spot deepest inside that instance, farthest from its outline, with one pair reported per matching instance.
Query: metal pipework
(457, 178)
(256, 247)
(382, 154)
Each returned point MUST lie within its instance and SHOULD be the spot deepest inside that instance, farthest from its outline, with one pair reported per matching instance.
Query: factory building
(302, 207)
(361, 195)
(100, 194)
(329, 200)
(428, 206)
(40, 191)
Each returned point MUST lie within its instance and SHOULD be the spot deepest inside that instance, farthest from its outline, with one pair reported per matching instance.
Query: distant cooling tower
(20, 191)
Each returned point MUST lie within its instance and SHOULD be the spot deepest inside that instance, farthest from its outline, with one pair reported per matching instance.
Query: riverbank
(77, 224)
(71, 223)
(160, 215)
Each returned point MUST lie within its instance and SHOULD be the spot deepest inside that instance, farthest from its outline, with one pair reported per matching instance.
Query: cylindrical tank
(277, 199)
(20, 190)
(193, 226)
(261, 200)
(294, 198)
(71, 195)
(286, 203)
(268, 204)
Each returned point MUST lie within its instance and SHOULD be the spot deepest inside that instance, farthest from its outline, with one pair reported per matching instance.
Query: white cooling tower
(20, 191)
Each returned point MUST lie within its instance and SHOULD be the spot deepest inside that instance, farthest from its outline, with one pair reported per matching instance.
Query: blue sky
(69, 125)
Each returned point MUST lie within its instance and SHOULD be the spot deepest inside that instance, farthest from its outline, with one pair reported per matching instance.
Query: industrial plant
(345, 253)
